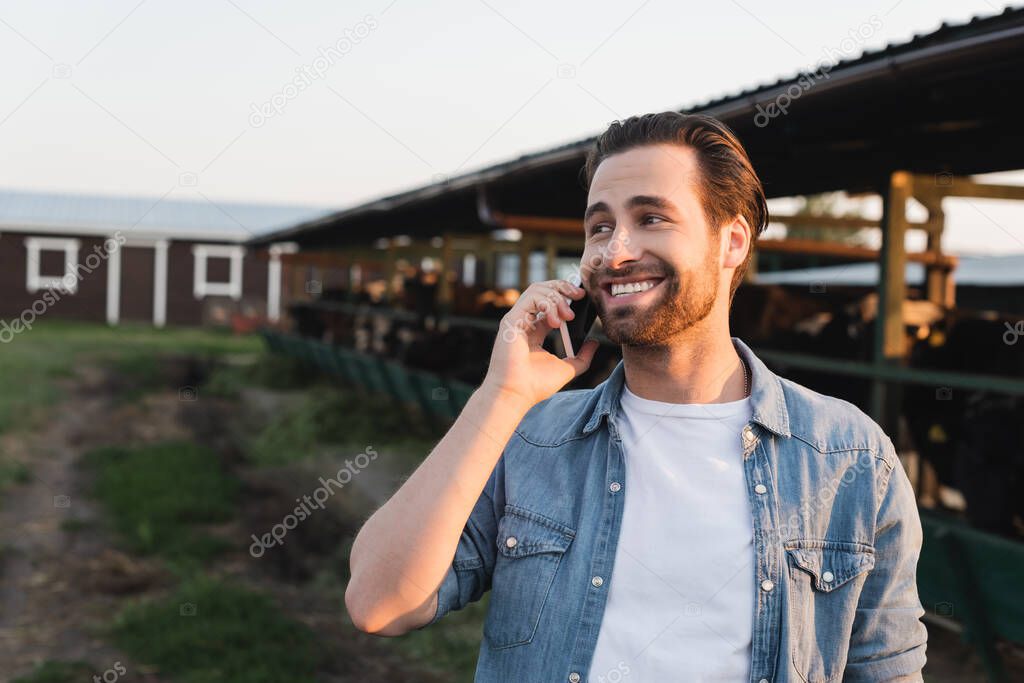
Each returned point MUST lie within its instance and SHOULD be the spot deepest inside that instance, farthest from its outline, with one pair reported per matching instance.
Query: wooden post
(525, 246)
(485, 263)
(550, 255)
(444, 285)
(389, 273)
(937, 275)
(892, 291)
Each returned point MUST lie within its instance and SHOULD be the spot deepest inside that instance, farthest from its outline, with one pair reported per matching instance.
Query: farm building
(406, 290)
(156, 260)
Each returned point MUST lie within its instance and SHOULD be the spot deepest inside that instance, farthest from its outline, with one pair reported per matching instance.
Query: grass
(271, 371)
(336, 417)
(159, 498)
(58, 672)
(13, 473)
(34, 360)
(213, 632)
(157, 495)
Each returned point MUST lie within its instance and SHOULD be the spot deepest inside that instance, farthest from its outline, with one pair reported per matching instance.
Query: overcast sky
(188, 97)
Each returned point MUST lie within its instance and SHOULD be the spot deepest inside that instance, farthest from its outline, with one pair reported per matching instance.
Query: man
(695, 517)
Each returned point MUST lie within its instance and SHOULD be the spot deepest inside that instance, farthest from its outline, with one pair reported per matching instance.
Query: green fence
(973, 579)
(438, 398)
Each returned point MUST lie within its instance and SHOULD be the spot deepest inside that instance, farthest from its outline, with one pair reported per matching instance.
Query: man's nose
(621, 249)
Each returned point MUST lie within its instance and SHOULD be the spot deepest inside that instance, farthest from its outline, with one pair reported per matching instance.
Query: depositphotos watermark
(74, 273)
(808, 79)
(308, 73)
(307, 503)
(111, 675)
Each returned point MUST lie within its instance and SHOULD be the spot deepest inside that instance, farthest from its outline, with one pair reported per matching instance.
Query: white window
(201, 286)
(36, 279)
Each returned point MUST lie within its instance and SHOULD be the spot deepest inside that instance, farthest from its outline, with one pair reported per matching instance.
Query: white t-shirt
(681, 598)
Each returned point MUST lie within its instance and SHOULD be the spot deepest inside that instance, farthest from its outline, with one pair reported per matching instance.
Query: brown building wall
(182, 306)
(137, 269)
(137, 285)
(88, 303)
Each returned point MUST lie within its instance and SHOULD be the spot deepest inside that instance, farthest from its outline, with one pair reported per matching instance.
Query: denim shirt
(835, 529)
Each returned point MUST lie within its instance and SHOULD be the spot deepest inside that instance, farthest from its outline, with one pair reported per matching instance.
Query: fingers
(553, 308)
(548, 298)
(542, 307)
(566, 288)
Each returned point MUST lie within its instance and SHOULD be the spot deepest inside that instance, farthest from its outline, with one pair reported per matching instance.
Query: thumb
(586, 355)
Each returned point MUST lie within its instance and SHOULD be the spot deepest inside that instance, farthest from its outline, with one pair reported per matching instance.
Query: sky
(330, 104)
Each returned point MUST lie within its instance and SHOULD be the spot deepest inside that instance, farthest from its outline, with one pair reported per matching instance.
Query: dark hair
(729, 186)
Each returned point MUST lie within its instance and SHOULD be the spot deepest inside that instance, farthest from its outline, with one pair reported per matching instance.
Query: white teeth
(631, 287)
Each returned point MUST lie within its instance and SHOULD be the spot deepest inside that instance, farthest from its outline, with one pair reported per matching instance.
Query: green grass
(213, 632)
(157, 495)
(13, 473)
(59, 672)
(267, 370)
(331, 416)
(31, 363)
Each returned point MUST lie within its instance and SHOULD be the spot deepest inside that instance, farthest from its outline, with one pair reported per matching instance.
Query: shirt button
(761, 488)
(827, 576)
(767, 585)
(597, 581)
(511, 542)
(763, 680)
(574, 677)
(614, 487)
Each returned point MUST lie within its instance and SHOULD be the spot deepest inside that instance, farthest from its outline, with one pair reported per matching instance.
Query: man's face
(645, 229)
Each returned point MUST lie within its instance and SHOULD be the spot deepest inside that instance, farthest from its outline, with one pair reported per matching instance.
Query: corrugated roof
(145, 216)
(972, 271)
(945, 32)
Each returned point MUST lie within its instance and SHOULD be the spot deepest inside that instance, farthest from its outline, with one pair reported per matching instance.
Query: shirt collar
(767, 398)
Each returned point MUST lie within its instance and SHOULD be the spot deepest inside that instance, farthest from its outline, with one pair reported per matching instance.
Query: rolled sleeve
(469, 575)
(889, 640)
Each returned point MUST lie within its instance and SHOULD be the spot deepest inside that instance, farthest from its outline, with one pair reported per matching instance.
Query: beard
(683, 300)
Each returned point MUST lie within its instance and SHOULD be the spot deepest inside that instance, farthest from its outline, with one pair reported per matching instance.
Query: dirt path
(60, 580)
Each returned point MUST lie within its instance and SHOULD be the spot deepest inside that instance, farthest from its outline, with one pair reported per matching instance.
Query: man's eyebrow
(651, 201)
(597, 207)
(640, 200)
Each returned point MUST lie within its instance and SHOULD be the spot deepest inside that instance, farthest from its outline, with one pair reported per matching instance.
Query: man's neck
(701, 367)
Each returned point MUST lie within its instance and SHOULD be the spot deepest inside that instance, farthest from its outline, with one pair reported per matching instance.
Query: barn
(161, 261)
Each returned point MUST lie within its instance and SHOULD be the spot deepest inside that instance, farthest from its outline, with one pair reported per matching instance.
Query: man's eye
(600, 227)
(649, 218)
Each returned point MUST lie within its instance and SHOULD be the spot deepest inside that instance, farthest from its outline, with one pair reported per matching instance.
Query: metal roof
(143, 217)
(948, 42)
(972, 271)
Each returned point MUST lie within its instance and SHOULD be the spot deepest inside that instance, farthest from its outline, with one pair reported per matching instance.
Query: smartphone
(575, 331)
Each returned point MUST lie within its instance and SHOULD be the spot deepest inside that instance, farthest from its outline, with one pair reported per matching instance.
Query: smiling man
(695, 517)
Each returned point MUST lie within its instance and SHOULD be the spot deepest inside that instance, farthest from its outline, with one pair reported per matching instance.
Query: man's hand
(520, 368)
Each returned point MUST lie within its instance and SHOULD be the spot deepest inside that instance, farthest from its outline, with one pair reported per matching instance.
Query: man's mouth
(624, 290)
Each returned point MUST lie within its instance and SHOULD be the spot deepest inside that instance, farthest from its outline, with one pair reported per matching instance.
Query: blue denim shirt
(835, 527)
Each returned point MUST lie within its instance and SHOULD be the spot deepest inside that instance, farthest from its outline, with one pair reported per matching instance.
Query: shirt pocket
(530, 549)
(825, 581)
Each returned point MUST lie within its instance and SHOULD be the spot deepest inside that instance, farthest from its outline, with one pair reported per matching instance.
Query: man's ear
(736, 242)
